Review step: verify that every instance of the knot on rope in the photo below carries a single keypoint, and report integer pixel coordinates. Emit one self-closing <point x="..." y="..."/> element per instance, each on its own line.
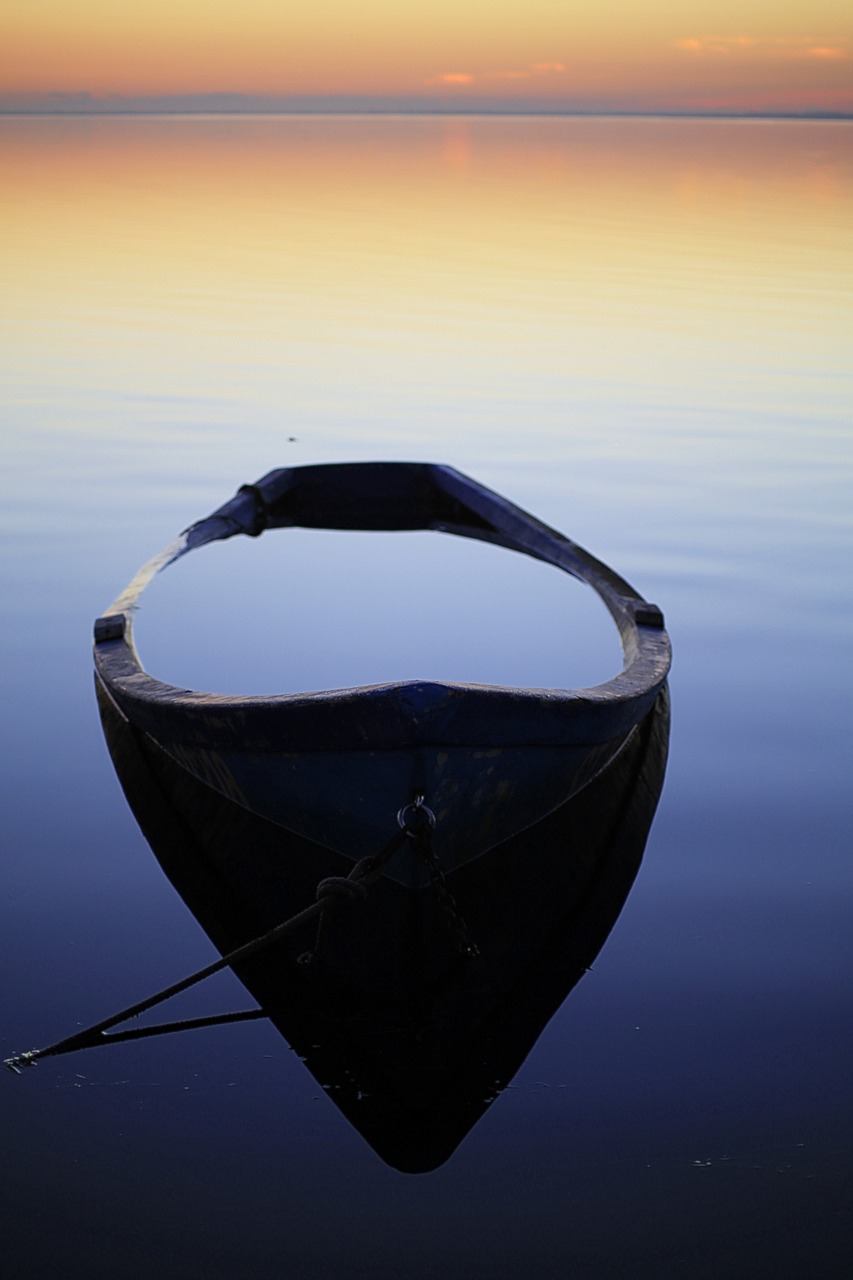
<point x="341" y="888"/>
<point x="22" y="1060"/>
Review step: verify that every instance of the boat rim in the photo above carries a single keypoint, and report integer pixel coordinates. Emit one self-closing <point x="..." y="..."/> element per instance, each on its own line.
<point x="392" y="496"/>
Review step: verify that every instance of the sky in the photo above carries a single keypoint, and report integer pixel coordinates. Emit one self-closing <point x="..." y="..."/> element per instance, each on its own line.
<point x="636" y="55"/>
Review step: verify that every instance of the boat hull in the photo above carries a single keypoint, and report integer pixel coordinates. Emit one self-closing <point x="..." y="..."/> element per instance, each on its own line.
<point x="410" y="1039"/>
<point x="349" y="802"/>
<point x="336" y="767"/>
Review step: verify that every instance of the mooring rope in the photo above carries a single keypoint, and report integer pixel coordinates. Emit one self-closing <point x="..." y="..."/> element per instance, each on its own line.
<point x="332" y="890"/>
<point x="416" y="823"/>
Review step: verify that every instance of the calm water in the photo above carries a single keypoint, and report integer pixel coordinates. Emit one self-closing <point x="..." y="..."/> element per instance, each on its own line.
<point x="640" y="331"/>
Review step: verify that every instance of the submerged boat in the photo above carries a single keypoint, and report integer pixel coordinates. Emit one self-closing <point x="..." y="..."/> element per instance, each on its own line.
<point x="412" y="1040"/>
<point x="337" y="767"/>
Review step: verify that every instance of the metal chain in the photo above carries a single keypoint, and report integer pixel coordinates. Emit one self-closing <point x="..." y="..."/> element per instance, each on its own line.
<point x="418" y="822"/>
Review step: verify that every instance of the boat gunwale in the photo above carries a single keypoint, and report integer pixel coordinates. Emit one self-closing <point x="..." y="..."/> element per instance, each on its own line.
<point x="401" y="714"/>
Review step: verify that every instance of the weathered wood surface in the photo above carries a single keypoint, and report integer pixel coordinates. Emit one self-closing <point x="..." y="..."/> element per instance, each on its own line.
<point x="533" y="747"/>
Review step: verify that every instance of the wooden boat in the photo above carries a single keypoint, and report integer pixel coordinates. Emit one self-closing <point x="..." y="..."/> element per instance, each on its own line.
<point x="412" y="1041"/>
<point x="488" y="762"/>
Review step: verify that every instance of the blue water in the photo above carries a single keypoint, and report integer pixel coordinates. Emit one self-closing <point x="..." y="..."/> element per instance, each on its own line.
<point x="638" y="330"/>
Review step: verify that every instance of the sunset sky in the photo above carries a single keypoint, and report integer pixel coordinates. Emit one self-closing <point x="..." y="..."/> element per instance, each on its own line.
<point x="671" y="55"/>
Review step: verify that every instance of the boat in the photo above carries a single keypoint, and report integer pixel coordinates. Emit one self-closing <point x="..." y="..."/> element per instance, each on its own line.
<point x="412" y="1040"/>
<point x="338" y="767"/>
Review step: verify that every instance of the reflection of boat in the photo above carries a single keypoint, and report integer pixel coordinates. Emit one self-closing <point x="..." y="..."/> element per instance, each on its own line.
<point x="411" y="1039"/>
<point x="488" y="761"/>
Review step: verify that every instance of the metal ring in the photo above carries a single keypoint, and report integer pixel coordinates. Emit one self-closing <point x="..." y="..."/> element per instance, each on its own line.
<point x="416" y="817"/>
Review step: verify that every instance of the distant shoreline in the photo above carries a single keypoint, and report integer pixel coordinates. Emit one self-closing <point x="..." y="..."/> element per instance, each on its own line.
<point x="110" y="110"/>
<point x="241" y="104"/>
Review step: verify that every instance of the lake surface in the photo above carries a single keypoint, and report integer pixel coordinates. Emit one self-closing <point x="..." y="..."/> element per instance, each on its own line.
<point x="638" y="330"/>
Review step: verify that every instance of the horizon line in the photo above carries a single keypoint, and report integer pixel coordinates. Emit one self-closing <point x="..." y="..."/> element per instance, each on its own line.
<point x="569" y="113"/>
<point x="83" y="103"/>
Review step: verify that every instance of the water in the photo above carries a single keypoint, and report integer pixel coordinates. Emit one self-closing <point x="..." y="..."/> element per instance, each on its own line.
<point x="638" y="330"/>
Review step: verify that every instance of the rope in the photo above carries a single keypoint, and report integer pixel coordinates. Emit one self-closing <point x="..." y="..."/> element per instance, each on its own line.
<point x="416" y="823"/>
<point x="329" y="894"/>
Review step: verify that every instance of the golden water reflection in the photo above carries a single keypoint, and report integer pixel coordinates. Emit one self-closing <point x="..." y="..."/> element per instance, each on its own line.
<point x="240" y="256"/>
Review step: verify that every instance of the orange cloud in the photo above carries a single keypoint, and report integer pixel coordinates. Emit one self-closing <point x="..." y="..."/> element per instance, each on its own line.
<point x="750" y="46"/>
<point x="535" y="70"/>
